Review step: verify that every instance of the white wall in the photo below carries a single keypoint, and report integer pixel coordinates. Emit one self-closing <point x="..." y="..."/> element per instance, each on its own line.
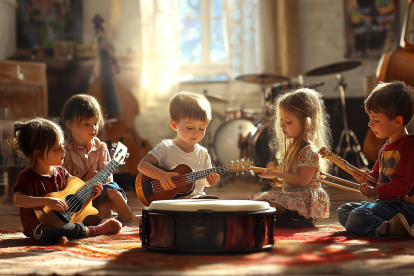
<point x="7" y="28"/>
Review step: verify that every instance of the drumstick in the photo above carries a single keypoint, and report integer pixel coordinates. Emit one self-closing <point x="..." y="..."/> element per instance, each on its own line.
<point x="339" y="186"/>
<point x="340" y="179"/>
<point x="346" y="166"/>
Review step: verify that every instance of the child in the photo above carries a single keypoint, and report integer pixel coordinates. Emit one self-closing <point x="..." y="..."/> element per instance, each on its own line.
<point x="86" y="155"/>
<point x="190" y="115"/>
<point x="41" y="141"/>
<point x="390" y="108"/>
<point x="301" y="129"/>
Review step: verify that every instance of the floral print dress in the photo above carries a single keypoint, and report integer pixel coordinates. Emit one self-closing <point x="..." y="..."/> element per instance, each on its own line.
<point x="309" y="201"/>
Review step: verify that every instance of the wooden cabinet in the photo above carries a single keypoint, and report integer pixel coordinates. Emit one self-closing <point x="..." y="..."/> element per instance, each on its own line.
<point x="23" y="89"/>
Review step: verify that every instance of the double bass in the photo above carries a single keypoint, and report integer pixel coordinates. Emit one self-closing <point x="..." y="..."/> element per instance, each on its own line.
<point x="117" y="102"/>
<point x="394" y="65"/>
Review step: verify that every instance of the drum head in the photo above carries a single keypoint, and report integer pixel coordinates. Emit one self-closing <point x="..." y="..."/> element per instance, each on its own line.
<point x="195" y="205"/>
<point x="259" y="149"/>
<point x="231" y="138"/>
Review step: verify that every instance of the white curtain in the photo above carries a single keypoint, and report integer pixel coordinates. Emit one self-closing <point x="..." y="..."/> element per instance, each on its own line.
<point x="160" y="33"/>
<point x="243" y="36"/>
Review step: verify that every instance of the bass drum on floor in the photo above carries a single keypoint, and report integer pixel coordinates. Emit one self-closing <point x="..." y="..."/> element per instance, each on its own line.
<point x="240" y="138"/>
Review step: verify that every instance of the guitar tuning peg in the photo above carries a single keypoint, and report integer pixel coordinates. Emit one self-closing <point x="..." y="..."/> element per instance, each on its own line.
<point x="114" y="145"/>
<point x="112" y="150"/>
<point x="232" y="161"/>
<point x="237" y="160"/>
<point x="127" y="155"/>
<point x="242" y="160"/>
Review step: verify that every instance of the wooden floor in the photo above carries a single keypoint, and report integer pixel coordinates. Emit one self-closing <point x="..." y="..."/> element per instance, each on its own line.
<point x="229" y="187"/>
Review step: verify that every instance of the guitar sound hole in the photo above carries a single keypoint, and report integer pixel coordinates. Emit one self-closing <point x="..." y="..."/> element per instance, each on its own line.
<point x="74" y="203"/>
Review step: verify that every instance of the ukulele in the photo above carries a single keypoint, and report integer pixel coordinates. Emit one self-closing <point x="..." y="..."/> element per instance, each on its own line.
<point x="343" y="164"/>
<point x="78" y="196"/>
<point x="149" y="189"/>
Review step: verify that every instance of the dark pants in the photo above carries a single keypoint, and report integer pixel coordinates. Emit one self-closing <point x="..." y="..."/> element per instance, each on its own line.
<point x="71" y="231"/>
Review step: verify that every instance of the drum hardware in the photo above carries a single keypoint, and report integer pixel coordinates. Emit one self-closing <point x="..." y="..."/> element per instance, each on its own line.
<point x="345" y="165"/>
<point x="262" y="79"/>
<point x="346" y="132"/>
<point x="214" y="99"/>
<point x="207" y="226"/>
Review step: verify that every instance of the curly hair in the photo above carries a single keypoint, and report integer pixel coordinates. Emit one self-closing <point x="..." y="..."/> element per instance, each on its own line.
<point x="307" y="105"/>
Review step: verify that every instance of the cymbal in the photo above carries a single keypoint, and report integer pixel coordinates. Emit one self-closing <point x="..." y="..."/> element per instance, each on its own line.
<point x="262" y="78"/>
<point x="215" y="99"/>
<point x="334" y="68"/>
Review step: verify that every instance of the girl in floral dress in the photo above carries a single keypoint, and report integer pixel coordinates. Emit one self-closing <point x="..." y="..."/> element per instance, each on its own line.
<point x="301" y="129"/>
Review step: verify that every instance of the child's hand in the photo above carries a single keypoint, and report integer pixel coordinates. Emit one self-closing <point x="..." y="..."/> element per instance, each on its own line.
<point x="368" y="190"/>
<point x="166" y="182"/>
<point x="212" y="179"/>
<point x="55" y="204"/>
<point x="97" y="190"/>
<point x="268" y="173"/>
<point x="360" y="177"/>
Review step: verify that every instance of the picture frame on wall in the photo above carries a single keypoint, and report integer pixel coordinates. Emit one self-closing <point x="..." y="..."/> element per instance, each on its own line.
<point x="371" y="27"/>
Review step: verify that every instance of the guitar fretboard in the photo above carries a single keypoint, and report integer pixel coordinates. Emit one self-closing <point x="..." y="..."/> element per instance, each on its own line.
<point x="86" y="191"/>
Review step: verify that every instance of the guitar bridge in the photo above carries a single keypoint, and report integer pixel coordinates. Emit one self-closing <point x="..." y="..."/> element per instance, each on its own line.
<point x="64" y="217"/>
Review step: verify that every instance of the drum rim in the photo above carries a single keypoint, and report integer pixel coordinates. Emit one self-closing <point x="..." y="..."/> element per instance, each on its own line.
<point x="269" y="210"/>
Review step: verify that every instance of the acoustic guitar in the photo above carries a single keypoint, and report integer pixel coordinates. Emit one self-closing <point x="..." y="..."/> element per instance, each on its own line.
<point x="394" y="65"/>
<point x="78" y="195"/>
<point x="149" y="189"/>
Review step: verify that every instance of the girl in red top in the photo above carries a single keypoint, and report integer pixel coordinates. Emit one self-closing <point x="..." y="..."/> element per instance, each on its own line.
<point x="41" y="142"/>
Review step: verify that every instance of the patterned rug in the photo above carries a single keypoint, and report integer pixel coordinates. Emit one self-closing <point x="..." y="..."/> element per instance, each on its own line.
<point x="326" y="250"/>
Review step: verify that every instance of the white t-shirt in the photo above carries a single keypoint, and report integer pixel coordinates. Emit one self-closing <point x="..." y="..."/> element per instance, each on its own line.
<point x="169" y="156"/>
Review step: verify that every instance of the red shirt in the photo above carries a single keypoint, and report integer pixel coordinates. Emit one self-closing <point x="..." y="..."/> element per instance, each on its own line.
<point x="394" y="169"/>
<point x="32" y="184"/>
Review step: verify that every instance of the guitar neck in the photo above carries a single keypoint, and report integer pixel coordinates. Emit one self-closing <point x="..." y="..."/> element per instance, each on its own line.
<point x="100" y="177"/>
<point x="194" y="176"/>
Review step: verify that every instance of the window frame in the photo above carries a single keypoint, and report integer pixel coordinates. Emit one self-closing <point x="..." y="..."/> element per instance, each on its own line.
<point x="206" y="67"/>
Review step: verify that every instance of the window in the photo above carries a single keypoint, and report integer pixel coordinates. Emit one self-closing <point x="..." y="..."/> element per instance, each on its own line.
<point x="204" y="55"/>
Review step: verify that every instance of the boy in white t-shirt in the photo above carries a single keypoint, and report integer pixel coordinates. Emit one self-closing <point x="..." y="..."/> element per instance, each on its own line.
<point x="190" y="114"/>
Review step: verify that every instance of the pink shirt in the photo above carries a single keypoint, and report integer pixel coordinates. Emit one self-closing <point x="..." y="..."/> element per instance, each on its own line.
<point x="78" y="161"/>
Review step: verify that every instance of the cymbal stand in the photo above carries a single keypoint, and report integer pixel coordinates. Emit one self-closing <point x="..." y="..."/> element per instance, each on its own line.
<point x="346" y="132"/>
<point x="263" y="103"/>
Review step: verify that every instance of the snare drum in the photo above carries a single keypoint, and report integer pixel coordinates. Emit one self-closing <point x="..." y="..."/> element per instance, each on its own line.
<point x="208" y="225"/>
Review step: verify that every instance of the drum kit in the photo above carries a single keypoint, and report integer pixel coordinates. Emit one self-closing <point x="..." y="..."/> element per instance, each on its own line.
<point x="246" y="134"/>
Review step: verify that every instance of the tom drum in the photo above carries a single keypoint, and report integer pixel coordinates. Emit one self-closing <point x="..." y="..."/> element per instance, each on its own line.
<point x="208" y="225"/>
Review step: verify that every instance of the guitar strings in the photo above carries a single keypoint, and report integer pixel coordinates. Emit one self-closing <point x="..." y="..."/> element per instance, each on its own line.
<point x="87" y="191"/>
<point x="184" y="179"/>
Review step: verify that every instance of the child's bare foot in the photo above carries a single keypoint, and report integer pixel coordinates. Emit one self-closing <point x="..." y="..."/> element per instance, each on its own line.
<point x="63" y="240"/>
<point x="110" y="226"/>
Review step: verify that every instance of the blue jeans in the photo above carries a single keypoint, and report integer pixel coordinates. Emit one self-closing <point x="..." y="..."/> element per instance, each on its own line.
<point x="364" y="219"/>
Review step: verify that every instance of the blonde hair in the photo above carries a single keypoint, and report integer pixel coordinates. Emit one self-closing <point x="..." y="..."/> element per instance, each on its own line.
<point x="35" y="137"/>
<point x="80" y="107"/>
<point x="307" y="105"/>
<point x="190" y="105"/>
